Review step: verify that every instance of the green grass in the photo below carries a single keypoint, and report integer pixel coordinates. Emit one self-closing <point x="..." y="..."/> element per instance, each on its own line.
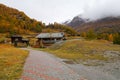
<point x="11" y="62"/>
<point x="83" y="50"/>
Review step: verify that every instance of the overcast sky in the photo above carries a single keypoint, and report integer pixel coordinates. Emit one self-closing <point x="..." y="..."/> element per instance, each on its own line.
<point x="61" y="10"/>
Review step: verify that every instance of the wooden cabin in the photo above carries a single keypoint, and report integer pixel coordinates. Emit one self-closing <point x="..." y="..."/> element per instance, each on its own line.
<point x="46" y="39"/>
<point x="15" y="39"/>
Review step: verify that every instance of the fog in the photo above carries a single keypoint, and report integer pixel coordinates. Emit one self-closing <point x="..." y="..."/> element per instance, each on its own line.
<point x="97" y="9"/>
<point x="61" y="10"/>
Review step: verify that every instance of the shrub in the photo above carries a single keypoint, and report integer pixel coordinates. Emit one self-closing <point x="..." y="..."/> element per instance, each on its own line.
<point x="91" y="35"/>
<point x="2" y="40"/>
<point x="116" y="39"/>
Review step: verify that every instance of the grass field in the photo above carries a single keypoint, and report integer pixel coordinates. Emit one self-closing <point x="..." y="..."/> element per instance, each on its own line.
<point x="83" y="49"/>
<point x="11" y="62"/>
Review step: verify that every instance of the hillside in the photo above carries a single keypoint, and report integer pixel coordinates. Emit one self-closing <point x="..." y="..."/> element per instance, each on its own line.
<point x="16" y="22"/>
<point x="57" y="27"/>
<point x="104" y="25"/>
<point x="13" y="21"/>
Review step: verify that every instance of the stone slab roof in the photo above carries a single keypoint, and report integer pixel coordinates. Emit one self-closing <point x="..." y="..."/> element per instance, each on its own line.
<point x="50" y="35"/>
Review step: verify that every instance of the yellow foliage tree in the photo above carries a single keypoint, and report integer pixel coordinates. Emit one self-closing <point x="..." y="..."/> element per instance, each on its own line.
<point x="84" y="34"/>
<point x="110" y="37"/>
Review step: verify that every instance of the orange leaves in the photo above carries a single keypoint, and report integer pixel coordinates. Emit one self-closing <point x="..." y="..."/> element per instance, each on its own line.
<point x="110" y="37"/>
<point x="14" y="21"/>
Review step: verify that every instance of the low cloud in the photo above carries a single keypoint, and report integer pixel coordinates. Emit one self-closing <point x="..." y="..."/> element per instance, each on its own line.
<point x="96" y="9"/>
<point x="60" y="10"/>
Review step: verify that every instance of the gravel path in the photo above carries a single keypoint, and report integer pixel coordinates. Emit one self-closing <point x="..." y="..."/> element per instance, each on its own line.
<point x="93" y="73"/>
<point x="43" y="66"/>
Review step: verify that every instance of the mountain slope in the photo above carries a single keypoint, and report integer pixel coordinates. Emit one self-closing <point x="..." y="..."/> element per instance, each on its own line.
<point x="104" y="25"/>
<point x="16" y="22"/>
<point x="76" y="21"/>
<point x="56" y="27"/>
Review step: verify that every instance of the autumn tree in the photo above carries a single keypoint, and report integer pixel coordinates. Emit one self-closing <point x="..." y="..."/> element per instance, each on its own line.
<point x="91" y="34"/>
<point x="110" y="37"/>
<point x="16" y="22"/>
<point x="103" y="36"/>
<point x="83" y="34"/>
<point x="63" y="28"/>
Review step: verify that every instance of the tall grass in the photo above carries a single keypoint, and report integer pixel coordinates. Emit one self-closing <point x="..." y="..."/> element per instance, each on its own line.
<point x="11" y="62"/>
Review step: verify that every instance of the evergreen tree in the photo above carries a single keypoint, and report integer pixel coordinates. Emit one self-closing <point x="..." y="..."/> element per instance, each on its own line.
<point x="116" y="38"/>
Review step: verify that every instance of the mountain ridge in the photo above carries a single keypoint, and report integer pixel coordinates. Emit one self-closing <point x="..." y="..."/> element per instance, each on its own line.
<point x="104" y="25"/>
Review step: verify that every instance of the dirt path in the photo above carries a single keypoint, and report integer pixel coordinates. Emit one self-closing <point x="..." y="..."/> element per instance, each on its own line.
<point x="43" y="66"/>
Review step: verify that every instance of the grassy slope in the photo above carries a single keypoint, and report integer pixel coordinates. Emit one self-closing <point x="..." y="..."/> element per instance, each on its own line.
<point x="11" y="62"/>
<point x="83" y="50"/>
